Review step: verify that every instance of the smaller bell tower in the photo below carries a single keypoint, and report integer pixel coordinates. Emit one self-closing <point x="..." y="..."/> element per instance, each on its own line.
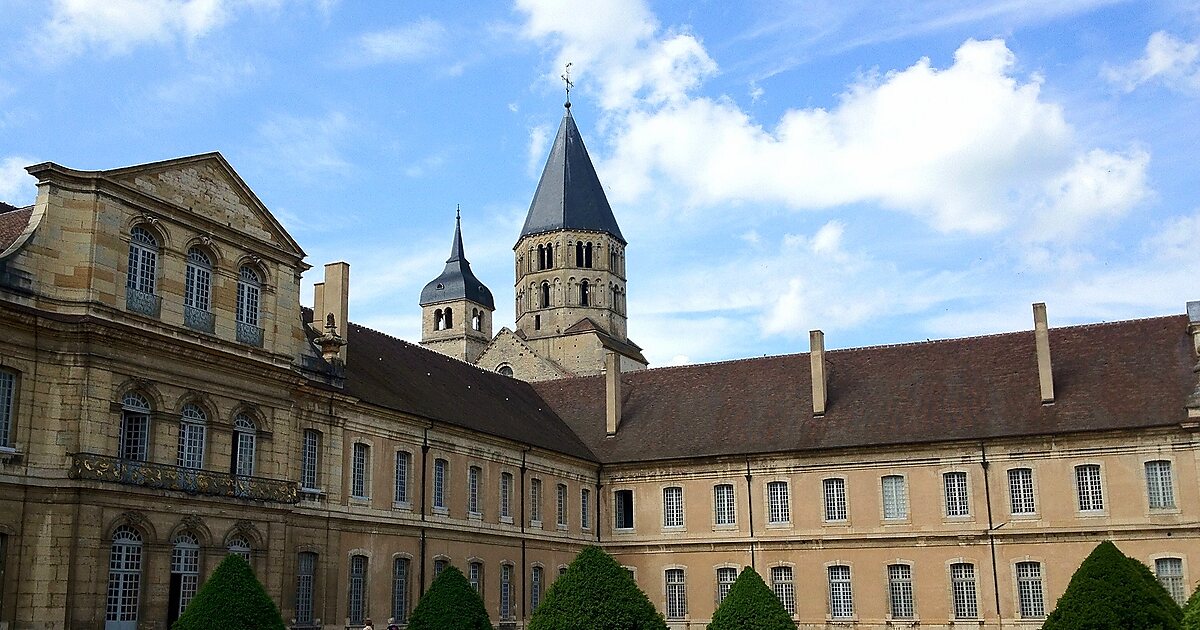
<point x="456" y="308"/>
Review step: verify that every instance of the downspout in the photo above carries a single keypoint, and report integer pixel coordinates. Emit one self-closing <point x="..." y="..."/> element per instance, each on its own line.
<point x="987" y="493"/>
<point x="750" y="509"/>
<point x="599" y="488"/>
<point x="424" y="494"/>
<point x="523" y="559"/>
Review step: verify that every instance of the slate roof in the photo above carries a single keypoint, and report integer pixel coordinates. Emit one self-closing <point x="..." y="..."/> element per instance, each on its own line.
<point x="457" y="281"/>
<point x="569" y="195"/>
<point x="13" y="222"/>
<point x="1131" y="374"/>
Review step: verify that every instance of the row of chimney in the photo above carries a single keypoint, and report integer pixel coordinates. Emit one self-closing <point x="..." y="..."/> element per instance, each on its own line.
<point x="332" y="317"/>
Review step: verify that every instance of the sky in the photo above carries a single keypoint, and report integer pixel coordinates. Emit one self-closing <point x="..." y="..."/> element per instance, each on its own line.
<point x="921" y="171"/>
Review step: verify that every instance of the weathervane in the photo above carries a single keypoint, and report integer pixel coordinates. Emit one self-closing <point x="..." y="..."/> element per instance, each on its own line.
<point x="566" y="77"/>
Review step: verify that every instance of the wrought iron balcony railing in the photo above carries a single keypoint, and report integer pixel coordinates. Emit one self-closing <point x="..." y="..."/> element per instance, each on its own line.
<point x="141" y="302"/>
<point x="249" y="334"/>
<point x="95" y="467"/>
<point x="197" y="319"/>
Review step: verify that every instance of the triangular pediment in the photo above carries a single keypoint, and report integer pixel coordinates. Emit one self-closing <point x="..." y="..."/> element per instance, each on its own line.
<point x="207" y="186"/>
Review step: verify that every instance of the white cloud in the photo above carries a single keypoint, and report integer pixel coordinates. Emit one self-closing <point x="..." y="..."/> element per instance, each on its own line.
<point x="402" y="44"/>
<point x="16" y="186"/>
<point x="307" y="148"/>
<point x="1167" y="60"/>
<point x="426" y="165"/>
<point x="539" y="139"/>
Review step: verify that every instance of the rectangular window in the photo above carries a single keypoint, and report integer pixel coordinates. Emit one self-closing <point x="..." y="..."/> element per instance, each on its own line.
<point x="400" y="590"/>
<point x="473" y="475"/>
<point x="778" y="508"/>
<point x="784" y="587"/>
<point x="506" y="484"/>
<point x="957" y="500"/>
<point x="962" y="582"/>
<point x="835" y="499"/>
<point x="475" y="576"/>
<point x="1088" y="487"/>
<point x="900" y="591"/>
<point x="673" y="507"/>
<point x="1159" y="487"/>
<point x="535" y="588"/>
<point x="560" y="504"/>
<point x="191" y="444"/>
<point x="308" y="459"/>
<point x="535" y="501"/>
<point x="306" y="571"/>
<point x="439" y="483"/>
<point x="358" y="590"/>
<point x="841" y="596"/>
<point x="623" y="509"/>
<point x="723" y="504"/>
<point x="403" y="466"/>
<point x="1020" y="491"/>
<point x="358" y="471"/>
<point x="506" y="592"/>
<point x="726" y="576"/>
<point x="8" y="398"/>
<point x="895" y="498"/>
<point x="585" y="508"/>
<point x="676" y="594"/>
<point x="1029" y="590"/>
<point x="439" y="565"/>
<point x="1170" y="573"/>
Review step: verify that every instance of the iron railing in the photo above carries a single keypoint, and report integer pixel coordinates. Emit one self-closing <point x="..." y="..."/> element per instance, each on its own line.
<point x="249" y="334"/>
<point x="197" y="319"/>
<point x="141" y="302"/>
<point x="94" y="467"/>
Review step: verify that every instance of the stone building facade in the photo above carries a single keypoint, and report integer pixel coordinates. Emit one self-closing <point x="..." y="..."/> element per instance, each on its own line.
<point x="165" y="400"/>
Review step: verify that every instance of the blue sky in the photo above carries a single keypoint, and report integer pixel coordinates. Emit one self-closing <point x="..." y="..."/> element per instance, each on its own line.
<point x="922" y="172"/>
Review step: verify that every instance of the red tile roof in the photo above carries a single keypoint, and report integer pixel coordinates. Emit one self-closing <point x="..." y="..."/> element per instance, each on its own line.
<point x="13" y="222"/>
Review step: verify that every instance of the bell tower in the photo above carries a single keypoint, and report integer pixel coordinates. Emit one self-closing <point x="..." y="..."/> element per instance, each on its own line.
<point x="456" y="308"/>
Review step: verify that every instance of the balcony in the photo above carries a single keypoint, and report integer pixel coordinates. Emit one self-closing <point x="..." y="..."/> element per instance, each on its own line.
<point x="249" y="334"/>
<point x="93" y="467"/>
<point x="147" y="304"/>
<point x="197" y="319"/>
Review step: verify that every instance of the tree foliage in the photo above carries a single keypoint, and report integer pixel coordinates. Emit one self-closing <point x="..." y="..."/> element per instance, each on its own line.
<point x="450" y="604"/>
<point x="1111" y="591"/>
<point x="750" y="605"/>
<point x="596" y="594"/>
<point x="231" y="599"/>
<point x="1191" y="611"/>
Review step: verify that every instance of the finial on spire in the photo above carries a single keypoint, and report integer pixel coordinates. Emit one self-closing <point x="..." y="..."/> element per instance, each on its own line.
<point x="566" y="77"/>
<point x="457" y="212"/>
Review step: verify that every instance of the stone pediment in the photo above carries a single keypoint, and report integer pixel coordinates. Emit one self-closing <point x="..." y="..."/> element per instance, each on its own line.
<point x="207" y="186"/>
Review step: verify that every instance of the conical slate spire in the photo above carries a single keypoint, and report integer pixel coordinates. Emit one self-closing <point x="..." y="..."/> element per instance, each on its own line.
<point x="569" y="195"/>
<point x="457" y="282"/>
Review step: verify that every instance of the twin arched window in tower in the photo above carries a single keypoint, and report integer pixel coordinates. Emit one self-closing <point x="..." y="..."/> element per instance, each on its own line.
<point x="583" y="255"/>
<point x="545" y="256"/>
<point x="443" y="319"/>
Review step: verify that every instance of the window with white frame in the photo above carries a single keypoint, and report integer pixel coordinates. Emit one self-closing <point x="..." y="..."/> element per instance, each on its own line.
<point x="900" y="591"/>
<point x="185" y="572"/>
<point x="962" y="587"/>
<point x="1088" y="487"/>
<point x="895" y="497"/>
<point x="360" y="456"/>
<point x="197" y="284"/>
<point x="506" y="485"/>
<point x="439" y="483"/>
<point x="1030" y="598"/>
<point x="403" y="470"/>
<point x="400" y="590"/>
<point x="245" y="437"/>
<point x="841" y="594"/>
<point x="143" y="261"/>
<point x="357" y="601"/>
<point x="957" y="499"/>
<point x="249" y="297"/>
<point x="535" y="500"/>
<point x="585" y="508"/>
<point x="1020" y="491"/>
<point x="474" y="473"/>
<point x="8" y="404"/>
<point x="673" y="506"/>
<point x="306" y="572"/>
<point x="784" y="587"/>
<point x="124" y="578"/>
<point x="623" y="509"/>
<point x="239" y="546"/>
<point x="535" y="588"/>
<point x="439" y="565"/>
<point x="135" y="427"/>
<point x="192" y="423"/>
<point x="778" y="508"/>
<point x="1169" y="572"/>
<point x="724" y="508"/>
<point x="310" y="459"/>
<point x="475" y="576"/>
<point x="1159" y="488"/>
<point x="726" y="576"/>
<point x="676" y="594"/>
<point x="835" y="498"/>
<point x="560" y="505"/>
<point x="506" y="592"/>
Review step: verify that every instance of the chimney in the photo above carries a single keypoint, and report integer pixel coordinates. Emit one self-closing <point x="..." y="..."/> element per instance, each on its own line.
<point x="1193" y="313"/>
<point x="816" y="356"/>
<point x="319" y="306"/>
<point x="335" y="296"/>
<point x="1041" y="336"/>
<point x="612" y="391"/>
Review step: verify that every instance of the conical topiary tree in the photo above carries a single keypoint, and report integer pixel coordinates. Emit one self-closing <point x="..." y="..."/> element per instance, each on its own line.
<point x="596" y="594"/>
<point x="1191" y="612"/>
<point x="450" y="604"/>
<point x="750" y="605"/>
<point x="231" y="599"/>
<point x="1110" y="591"/>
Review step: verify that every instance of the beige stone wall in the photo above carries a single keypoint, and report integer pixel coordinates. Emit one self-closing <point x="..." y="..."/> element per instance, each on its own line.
<point x="460" y="341"/>
<point x="565" y="278"/>
<point x="527" y="365"/>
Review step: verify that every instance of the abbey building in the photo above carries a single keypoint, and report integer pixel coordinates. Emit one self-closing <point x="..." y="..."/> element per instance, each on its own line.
<point x="166" y="400"/>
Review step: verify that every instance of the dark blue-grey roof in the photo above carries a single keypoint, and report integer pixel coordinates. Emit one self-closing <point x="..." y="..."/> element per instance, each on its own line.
<point x="569" y="195"/>
<point x="457" y="282"/>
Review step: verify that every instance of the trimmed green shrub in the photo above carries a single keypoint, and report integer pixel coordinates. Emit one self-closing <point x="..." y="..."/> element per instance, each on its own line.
<point x="596" y="594"/>
<point x="450" y="604"/>
<point x="1111" y="591"/>
<point x="1191" y="611"/>
<point x="231" y="599"/>
<point x="750" y="605"/>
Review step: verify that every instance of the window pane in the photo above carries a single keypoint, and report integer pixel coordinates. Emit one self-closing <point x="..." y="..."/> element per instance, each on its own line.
<point x="561" y="505"/>
<point x="777" y="497"/>
<point x="624" y="509"/>
<point x="1170" y="574"/>
<point x="473" y="475"/>
<point x="439" y="483"/>
<point x="895" y="498"/>
<point x="841" y="597"/>
<point x="506" y="481"/>
<point x="403" y="465"/>
<point x="673" y="507"/>
<point x="1029" y="589"/>
<point x="1159" y="487"/>
<point x="306" y="569"/>
<point x="835" y="499"/>
<point x="785" y="590"/>
<point x="676" y="594"/>
<point x="535" y="588"/>
<point x="400" y="590"/>
<point x="506" y="592"/>
<point x="1088" y="487"/>
<point x="358" y="590"/>
<point x="725" y="579"/>
<point x="956" y="493"/>
<point x="358" y="471"/>
<point x="8" y="395"/>
<point x="1020" y="491"/>
<point x="585" y="506"/>
<point x="723" y="504"/>
<point x="900" y="590"/>
<point x="535" y="500"/>
<point x="962" y="579"/>
<point x="308" y="459"/>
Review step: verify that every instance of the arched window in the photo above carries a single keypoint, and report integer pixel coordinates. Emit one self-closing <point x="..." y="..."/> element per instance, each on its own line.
<point x="505" y="370"/>
<point x="306" y="573"/>
<point x="124" y="579"/>
<point x="545" y="295"/>
<point x="240" y="546"/>
<point x="439" y="483"/>
<point x="191" y="437"/>
<point x="506" y="592"/>
<point x="449" y="321"/>
<point x="135" y="427"/>
<point x="8" y="398"/>
<point x="549" y="256"/>
<point x="438" y="321"/>
<point x="357" y="604"/>
<point x="249" y="299"/>
<point x="676" y="594"/>
<point x="541" y="257"/>
<point x="612" y="260"/>
<point x="587" y="255"/>
<point x="245" y="435"/>
<point x="476" y="320"/>
<point x="185" y="573"/>
<point x="143" y="261"/>
<point x="400" y="590"/>
<point x="584" y="293"/>
<point x="197" y="293"/>
<point x="578" y="253"/>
